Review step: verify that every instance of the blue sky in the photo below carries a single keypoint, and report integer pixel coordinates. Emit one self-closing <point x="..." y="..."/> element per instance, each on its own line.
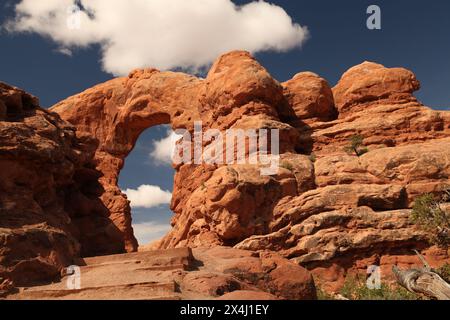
<point x="414" y="35"/>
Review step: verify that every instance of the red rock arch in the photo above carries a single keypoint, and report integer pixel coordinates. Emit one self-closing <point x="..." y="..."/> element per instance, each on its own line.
<point x="238" y="92"/>
<point x="236" y="206"/>
<point x="116" y="113"/>
<point x="321" y="210"/>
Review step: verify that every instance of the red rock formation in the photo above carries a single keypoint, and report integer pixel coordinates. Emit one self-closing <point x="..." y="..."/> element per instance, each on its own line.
<point x="203" y="273"/>
<point x="313" y="212"/>
<point x="370" y="82"/>
<point x="116" y="112"/>
<point x="310" y="97"/>
<point x="232" y="269"/>
<point x="329" y="211"/>
<point x="247" y="295"/>
<point x="377" y="103"/>
<point x="49" y="206"/>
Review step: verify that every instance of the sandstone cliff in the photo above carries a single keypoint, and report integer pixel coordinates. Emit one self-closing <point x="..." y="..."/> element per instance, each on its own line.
<point x="327" y="210"/>
<point x="49" y="206"/>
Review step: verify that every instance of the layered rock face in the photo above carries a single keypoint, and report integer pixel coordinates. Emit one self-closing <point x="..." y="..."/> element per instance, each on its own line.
<point x="181" y="273"/>
<point x="49" y="206"/>
<point x="357" y="212"/>
<point x="329" y="211"/>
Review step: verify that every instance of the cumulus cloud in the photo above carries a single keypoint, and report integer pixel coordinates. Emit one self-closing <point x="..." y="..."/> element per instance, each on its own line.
<point x="165" y="34"/>
<point x="148" y="196"/>
<point x="164" y="149"/>
<point x="146" y="232"/>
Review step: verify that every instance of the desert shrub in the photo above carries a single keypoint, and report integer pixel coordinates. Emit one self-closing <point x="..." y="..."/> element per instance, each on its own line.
<point x="356" y="145"/>
<point x="428" y="214"/>
<point x="444" y="272"/>
<point x="438" y="117"/>
<point x="312" y="157"/>
<point x="287" y="166"/>
<point x="323" y="295"/>
<point x="356" y="289"/>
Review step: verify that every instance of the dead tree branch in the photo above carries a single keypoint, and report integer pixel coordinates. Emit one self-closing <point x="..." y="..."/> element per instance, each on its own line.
<point x="423" y="281"/>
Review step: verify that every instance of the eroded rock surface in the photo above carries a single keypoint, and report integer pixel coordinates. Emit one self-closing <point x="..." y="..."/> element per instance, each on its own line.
<point x="311" y="97"/>
<point x="323" y="205"/>
<point x="49" y="206"/>
<point x="203" y="273"/>
<point x="327" y="210"/>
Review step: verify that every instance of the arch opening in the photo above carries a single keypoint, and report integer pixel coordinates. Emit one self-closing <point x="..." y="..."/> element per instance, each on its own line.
<point x="147" y="180"/>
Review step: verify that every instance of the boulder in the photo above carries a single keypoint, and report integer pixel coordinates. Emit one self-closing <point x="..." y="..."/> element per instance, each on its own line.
<point x="310" y="96"/>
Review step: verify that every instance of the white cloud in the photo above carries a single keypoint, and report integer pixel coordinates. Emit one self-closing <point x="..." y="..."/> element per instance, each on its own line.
<point x="148" y="196"/>
<point x="164" y="149"/>
<point x="164" y="34"/>
<point x="146" y="232"/>
<point x="65" y="51"/>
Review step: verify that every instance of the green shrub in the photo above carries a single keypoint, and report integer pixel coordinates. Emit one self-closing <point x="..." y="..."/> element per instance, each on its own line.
<point x="312" y="157"/>
<point x="356" y="289"/>
<point x="444" y="272"/>
<point x="356" y="145"/>
<point x="323" y="295"/>
<point x="427" y="214"/>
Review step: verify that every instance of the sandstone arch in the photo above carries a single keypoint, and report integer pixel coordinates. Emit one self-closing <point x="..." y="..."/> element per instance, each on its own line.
<point x="236" y="90"/>
<point x="116" y="113"/>
<point x="321" y="210"/>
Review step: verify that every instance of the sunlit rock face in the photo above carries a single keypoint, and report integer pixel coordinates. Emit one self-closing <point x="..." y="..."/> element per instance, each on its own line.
<point x="325" y="209"/>
<point x="50" y="210"/>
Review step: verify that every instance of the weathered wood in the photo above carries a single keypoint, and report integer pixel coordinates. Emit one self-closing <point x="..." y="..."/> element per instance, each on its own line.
<point x="423" y="281"/>
<point x="425" y="263"/>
